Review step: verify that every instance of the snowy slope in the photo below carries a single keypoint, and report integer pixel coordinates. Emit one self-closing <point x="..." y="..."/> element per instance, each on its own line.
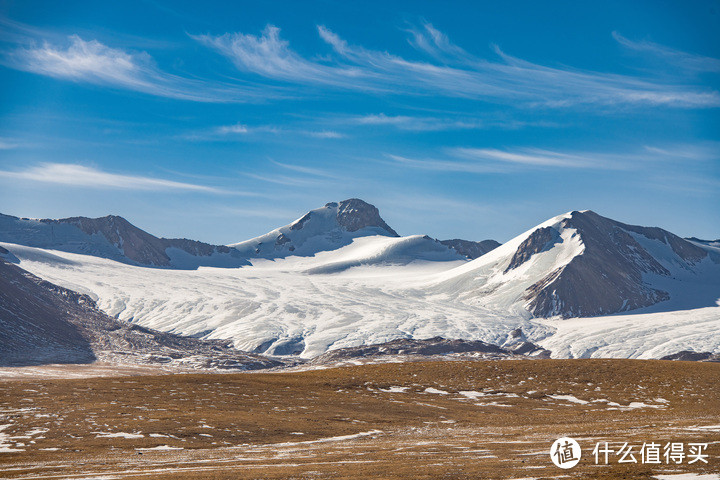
<point x="640" y="335"/>
<point x="275" y="305"/>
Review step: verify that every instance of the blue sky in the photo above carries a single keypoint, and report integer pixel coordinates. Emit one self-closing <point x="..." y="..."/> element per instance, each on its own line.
<point x="220" y="121"/>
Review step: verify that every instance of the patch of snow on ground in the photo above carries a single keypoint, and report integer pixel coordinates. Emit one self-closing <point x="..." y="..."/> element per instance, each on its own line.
<point x="5" y="446"/>
<point x="569" y="398"/>
<point x="394" y="389"/>
<point x="435" y="390"/>
<point x="710" y="428"/>
<point x="118" y="435"/>
<point x="340" y="438"/>
<point x="472" y="394"/>
<point x="160" y="447"/>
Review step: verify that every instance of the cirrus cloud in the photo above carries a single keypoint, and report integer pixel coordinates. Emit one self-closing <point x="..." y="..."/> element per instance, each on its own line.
<point x="90" y="61"/>
<point x="83" y="176"/>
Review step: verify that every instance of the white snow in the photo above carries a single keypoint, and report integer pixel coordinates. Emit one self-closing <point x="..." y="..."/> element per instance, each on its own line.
<point x="160" y="447"/>
<point x="339" y="438"/>
<point x="5" y="445"/>
<point x="649" y="335"/>
<point x="117" y="435"/>
<point x="472" y="394"/>
<point x="435" y="390"/>
<point x="569" y="398"/>
<point x="711" y="428"/>
<point x="277" y="304"/>
<point x="394" y="389"/>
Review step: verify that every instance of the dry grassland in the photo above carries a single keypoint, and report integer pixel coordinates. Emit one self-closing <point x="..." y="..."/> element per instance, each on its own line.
<point x="369" y="421"/>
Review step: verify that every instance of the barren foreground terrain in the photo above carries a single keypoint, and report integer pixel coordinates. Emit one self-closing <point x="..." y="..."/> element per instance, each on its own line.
<point x="453" y="419"/>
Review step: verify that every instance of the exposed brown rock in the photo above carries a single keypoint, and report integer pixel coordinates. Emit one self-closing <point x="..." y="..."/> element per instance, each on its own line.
<point x="607" y="277"/>
<point x="538" y="241"/>
<point x="138" y="245"/>
<point x="690" y="356"/>
<point x="354" y="214"/>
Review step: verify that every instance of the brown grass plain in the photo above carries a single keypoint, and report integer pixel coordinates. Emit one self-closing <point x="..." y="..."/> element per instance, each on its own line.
<point x="357" y="422"/>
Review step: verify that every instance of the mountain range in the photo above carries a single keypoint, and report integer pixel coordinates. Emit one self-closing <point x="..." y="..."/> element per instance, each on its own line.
<point x="341" y="277"/>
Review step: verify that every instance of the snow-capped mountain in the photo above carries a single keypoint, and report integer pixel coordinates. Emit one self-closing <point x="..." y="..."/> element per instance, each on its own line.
<point x="115" y="238"/>
<point x="354" y="229"/>
<point x="583" y="265"/>
<point x="327" y="228"/>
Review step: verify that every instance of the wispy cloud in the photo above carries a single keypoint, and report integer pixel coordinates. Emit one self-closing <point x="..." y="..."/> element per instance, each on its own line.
<point x="8" y="144"/>
<point x="452" y="72"/>
<point x="702" y="151"/>
<point x="688" y="62"/>
<point x="491" y="160"/>
<point x="243" y="131"/>
<point x="237" y="128"/>
<point x="447" y="165"/>
<point x="536" y="157"/>
<point x="448" y="71"/>
<point x="307" y="170"/>
<point x="435" y="43"/>
<point x="270" y="56"/>
<point x="286" y="180"/>
<point x="324" y="134"/>
<point x="83" y="176"/>
<point x="431" y="124"/>
<point x="89" y="61"/>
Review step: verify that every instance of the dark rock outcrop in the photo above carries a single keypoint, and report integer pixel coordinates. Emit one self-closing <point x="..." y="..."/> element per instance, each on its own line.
<point x="428" y="347"/>
<point x="540" y="240"/>
<point x="354" y="214"/>
<point x="470" y="249"/>
<point x="690" y="356"/>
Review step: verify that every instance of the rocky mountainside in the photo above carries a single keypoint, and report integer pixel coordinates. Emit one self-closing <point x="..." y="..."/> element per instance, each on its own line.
<point x="42" y="323"/>
<point x="115" y="238"/>
<point x="582" y="264"/>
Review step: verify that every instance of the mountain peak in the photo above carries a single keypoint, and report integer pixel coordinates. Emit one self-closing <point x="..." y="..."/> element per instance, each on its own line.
<point x="354" y="214"/>
<point x="326" y="228"/>
<point x="612" y="271"/>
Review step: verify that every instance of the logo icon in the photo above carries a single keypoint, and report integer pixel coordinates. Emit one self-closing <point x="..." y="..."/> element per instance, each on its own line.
<point x="565" y="452"/>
